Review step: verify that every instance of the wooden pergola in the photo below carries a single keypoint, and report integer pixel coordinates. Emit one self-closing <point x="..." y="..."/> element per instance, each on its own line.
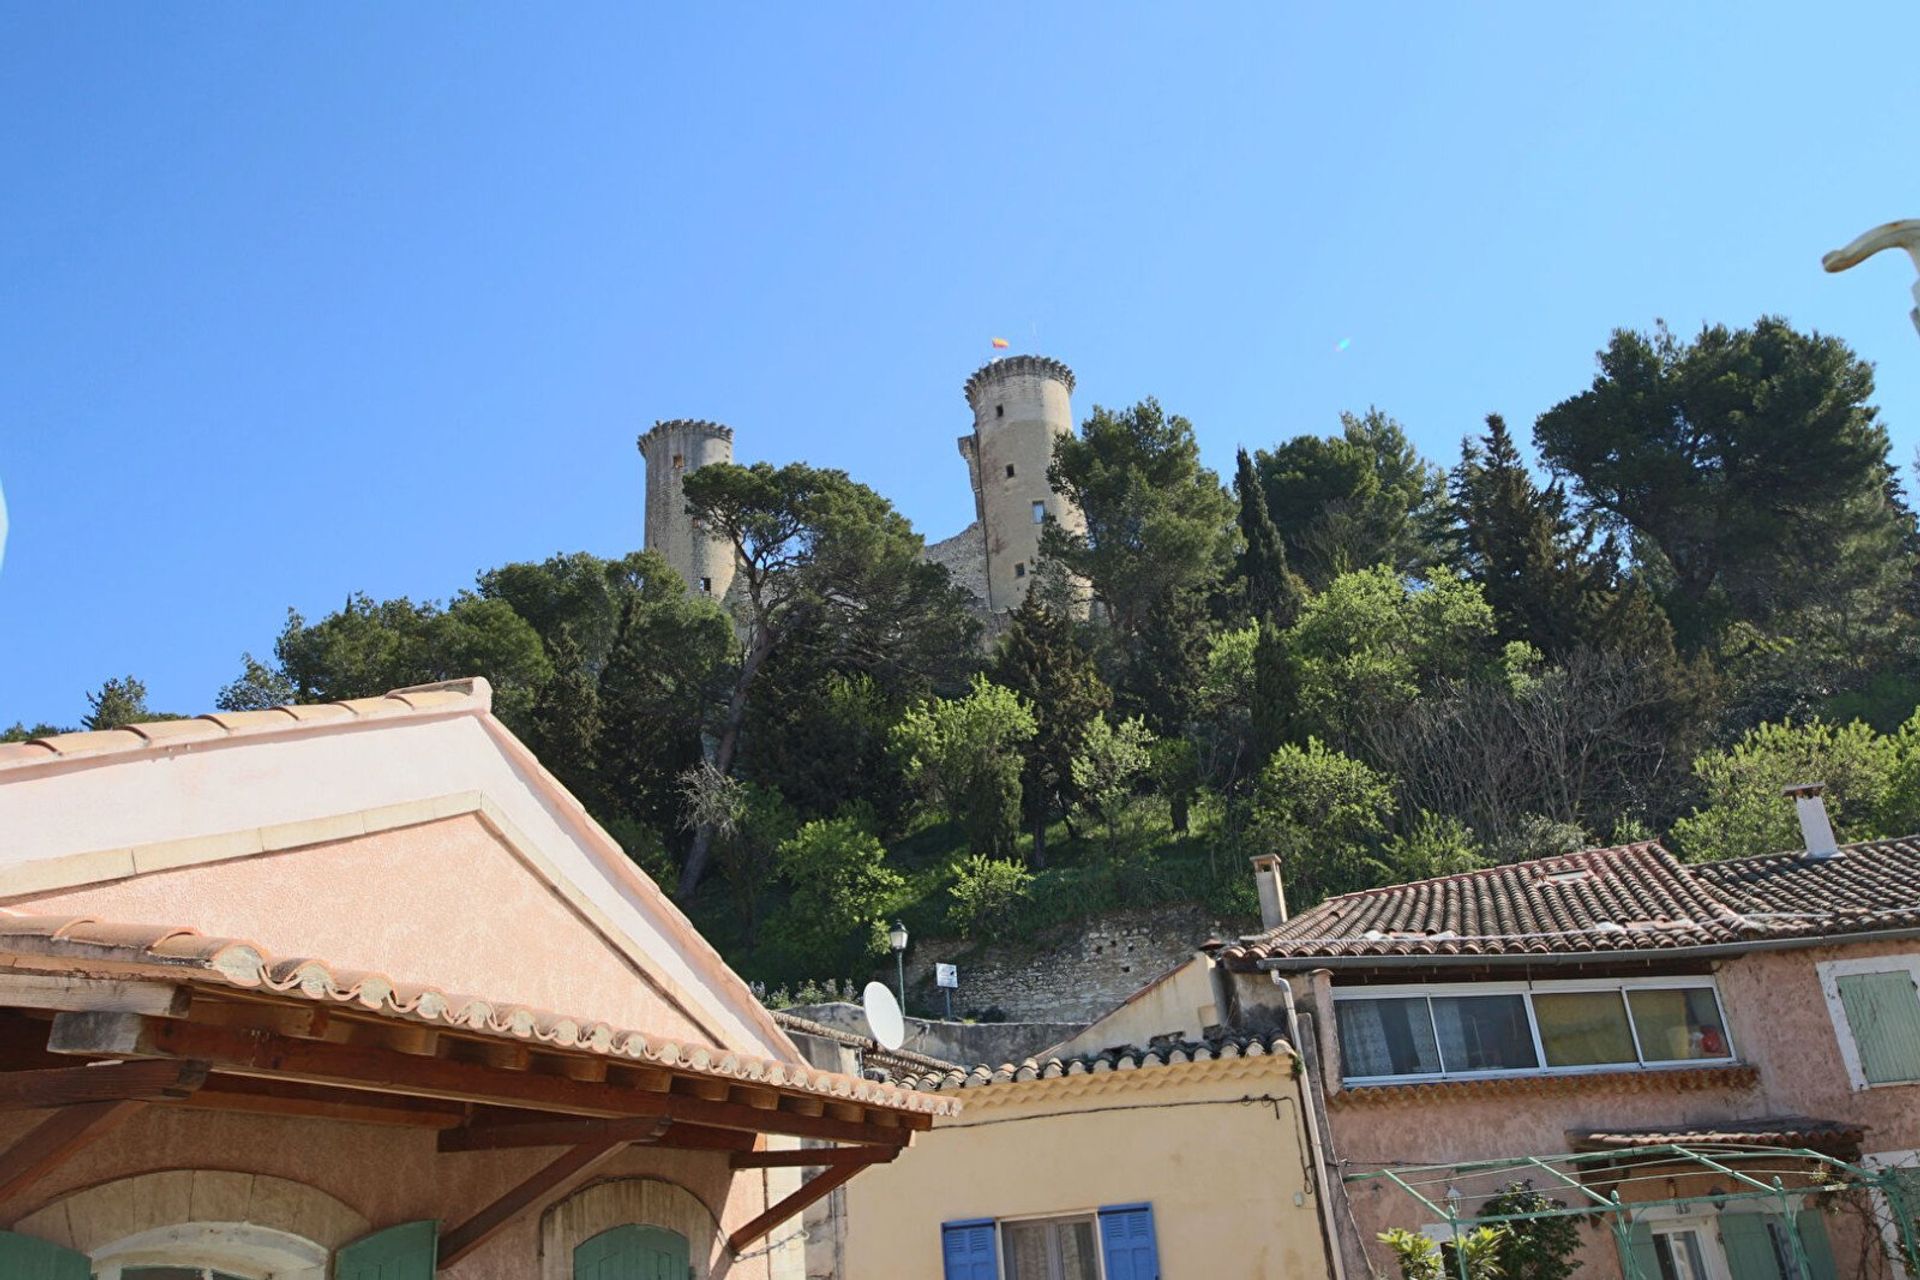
<point x="95" y="1048"/>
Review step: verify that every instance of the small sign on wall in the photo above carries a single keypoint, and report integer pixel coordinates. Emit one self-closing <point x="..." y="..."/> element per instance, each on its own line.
<point x="946" y="975"/>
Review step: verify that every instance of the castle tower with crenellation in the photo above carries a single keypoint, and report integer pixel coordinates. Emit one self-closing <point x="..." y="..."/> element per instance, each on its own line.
<point x="1021" y="406"/>
<point x="672" y="449"/>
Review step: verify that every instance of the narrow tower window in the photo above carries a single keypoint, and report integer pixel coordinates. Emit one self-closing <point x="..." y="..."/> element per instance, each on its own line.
<point x="1039" y="513"/>
<point x="1020" y="571"/>
<point x="706" y="585"/>
<point x="999" y="411"/>
<point x="1009" y="471"/>
<point x="679" y="461"/>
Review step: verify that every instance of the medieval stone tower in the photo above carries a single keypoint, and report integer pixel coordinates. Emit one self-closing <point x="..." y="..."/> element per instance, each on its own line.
<point x="1021" y="405"/>
<point x="672" y="449"/>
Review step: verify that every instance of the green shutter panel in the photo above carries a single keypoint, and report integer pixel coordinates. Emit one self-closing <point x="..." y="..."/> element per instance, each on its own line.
<point x="28" y="1258"/>
<point x="632" y="1253"/>
<point x="1638" y="1261"/>
<point x="1883" y="1015"/>
<point x="409" y="1251"/>
<point x="1749" y="1246"/>
<point x="1814" y="1242"/>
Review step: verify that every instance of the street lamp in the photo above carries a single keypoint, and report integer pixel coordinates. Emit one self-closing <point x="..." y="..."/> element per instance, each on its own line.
<point x="1893" y="235"/>
<point x="897" y="936"/>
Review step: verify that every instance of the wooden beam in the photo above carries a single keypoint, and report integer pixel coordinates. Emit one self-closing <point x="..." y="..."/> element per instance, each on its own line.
<point x="823" y="1185"/>
<point x="814" y="1157"/>
<point x="47" y="1145"/>
<point x="552" y="1133"/>
<point x="530" y="1194"/>
<point x="312" y="1102"/>
<point x="106" y="1082"/>
<point x="115" y="995"/>
<point x="263" y="1054"/>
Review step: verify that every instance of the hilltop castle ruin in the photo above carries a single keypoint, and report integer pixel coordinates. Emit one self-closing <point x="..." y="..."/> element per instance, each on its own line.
<point x="1020" y="404"/>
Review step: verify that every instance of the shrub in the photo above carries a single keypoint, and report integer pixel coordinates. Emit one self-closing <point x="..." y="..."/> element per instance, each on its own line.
<point x="986" y="892"/>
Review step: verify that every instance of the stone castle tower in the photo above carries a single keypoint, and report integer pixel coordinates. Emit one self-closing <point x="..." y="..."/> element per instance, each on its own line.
<point x="1021" y="405"/>
<point x="672" y="449"/>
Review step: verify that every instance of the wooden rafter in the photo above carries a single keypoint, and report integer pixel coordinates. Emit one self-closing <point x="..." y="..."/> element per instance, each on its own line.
<point x="48" y="1144"/>
<point x="530" y="1194"/>
<point x="814" y="1157"/>
<point x="509" y="1135"/>
<point x="107" y="1082"/>
<point x="270" y="1056"/>
<point x="315" y="1102"/>
<point x="823" y="1185"/>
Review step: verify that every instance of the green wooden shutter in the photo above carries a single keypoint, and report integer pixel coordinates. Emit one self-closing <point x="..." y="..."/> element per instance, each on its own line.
<point x="1638" y="1261"/>
<point x="29" y="1258"/>
<point x="1883" y="1015"/>
<point x="1818" y="1248"/>
<point x="409" y="1251"/>
<point x="632" y="1253"/>
<point x="1749" y="1246"/>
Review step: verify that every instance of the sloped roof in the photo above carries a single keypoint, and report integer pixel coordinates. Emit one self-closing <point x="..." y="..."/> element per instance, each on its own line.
<point x="1239" y="1046"/>
<point x="1634" y="897"/>
<point x="186" y="955"/>
<point x="1829" y="1136"/>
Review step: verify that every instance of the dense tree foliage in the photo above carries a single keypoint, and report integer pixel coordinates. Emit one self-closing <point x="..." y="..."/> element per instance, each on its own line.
<point x="1700" y="588"/>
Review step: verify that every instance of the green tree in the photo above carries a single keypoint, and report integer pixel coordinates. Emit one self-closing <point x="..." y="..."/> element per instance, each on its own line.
<point x="259" y="687"/>
<point x="1042" y="661"/>
<point x="1274" y="591"/>
<point x="842" y="892"/>
<point x="1113" y="761"/>
<point x="1476" y="1254"/>
<point x="1433" y="844"/>
<point x="1737" y="461"/>
<point x="21" y="731"/>
<point x="1349" y="502"/>
<point x="1366" y="647"/>
<point x="1325" y="815"/>
<point x="965" y="753"/>
<point x="985" y="893"/>
<point x="1534" y="1248"/>
<point x="1871" y="787"/>
<point x="812" y="548"/>
<point x="564" y="726"/>
<point x="120" y="702"/>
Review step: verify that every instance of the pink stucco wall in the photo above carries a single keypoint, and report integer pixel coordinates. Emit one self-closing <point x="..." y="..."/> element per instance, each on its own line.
<point x="389" y="1175"/>
<point x="1780" y="1024"/>
<point x="444" y="903"/>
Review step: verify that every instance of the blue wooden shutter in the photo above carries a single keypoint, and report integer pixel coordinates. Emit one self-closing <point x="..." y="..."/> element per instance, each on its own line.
<point x="1127" y="1242"/>
<point x="967" y="1249"/>
<point x="29" y="1258"/>
<point x="1883" y="1014"/>
<point x="409" y="1251"/>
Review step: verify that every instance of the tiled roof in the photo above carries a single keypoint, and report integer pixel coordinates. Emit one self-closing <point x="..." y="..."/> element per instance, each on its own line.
<point x="1634" y="897"/>
<point x="430" y="699"/>
<point x="895" y="1062"/>
<point x="1827" y="1136"/>
<point x="1240" y="1046"/>
<point x="1661" y="1080"/>
<point x="183" y="954"/>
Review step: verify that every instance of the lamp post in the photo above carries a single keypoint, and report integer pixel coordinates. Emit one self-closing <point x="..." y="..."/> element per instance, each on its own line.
<point x="1893" y="235"/>
<point x="897" y="935"/>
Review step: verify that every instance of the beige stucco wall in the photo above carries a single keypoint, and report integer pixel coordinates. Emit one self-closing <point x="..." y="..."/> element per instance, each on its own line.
<point x="1780" y="1025"/>
<point x="1215" y="1147"/>
<point x="382" y="1174"/>
<point x="1180" y="1002"/>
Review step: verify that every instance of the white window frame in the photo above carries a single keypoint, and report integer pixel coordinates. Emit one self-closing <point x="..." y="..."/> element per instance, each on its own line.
<point x="1056" y="1215"/>
<point x="1831" y="971"/>
<point x="1883" y="1211"/>
<point x="237" y="1248"/>
<point x="1441" y="991"/>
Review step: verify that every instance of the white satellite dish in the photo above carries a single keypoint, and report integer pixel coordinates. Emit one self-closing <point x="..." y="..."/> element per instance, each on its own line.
<point x="883" y="1016"/>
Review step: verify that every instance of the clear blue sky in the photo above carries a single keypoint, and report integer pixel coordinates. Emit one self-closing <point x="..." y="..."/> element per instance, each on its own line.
<point x="301" y="299"/>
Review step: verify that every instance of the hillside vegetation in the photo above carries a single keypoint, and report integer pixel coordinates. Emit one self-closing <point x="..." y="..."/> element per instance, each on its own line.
<point x="1698" y="586"/>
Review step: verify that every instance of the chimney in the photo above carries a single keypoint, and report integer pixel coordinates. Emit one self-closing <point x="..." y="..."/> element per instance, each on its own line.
<point x="1815" y="830"/>
<point x="1273" y="890"/>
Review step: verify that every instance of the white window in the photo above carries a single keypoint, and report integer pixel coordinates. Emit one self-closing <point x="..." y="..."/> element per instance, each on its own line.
<point x="1039" y="513"/>
<point x="1875" y="1007"/>
<point x="1513" y="1028"/>
<point x="1051" y="1248"/>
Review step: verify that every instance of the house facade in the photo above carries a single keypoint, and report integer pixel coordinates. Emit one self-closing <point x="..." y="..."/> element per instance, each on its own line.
<point x="1637" y="1014"/>
<point x="358" y="991"/>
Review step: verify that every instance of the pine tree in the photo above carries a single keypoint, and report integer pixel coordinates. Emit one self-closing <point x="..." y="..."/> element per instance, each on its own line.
<point x="1274" y="591"/>
<point x="566" y="719"/>
<point x="1043" y="661"/>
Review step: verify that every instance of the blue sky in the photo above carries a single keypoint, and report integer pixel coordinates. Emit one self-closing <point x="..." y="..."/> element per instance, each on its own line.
<point x="298" y="300"/>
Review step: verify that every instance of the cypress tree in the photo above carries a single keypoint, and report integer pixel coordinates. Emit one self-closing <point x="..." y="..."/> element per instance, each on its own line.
<point x="1043" y="661"/>
<point x="1274" y="591"/>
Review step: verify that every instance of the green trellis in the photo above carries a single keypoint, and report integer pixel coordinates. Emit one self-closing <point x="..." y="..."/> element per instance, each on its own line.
<point x="1753" y="1173"/>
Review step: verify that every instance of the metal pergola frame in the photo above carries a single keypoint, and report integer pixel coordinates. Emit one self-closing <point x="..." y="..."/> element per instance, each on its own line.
<point x="1760" y="1172"/>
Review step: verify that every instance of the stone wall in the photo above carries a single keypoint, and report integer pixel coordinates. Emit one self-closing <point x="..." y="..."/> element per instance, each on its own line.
<point x="965" y="1043"/>
<point x="964" y="556"/>
<point x="1073" y="975"/>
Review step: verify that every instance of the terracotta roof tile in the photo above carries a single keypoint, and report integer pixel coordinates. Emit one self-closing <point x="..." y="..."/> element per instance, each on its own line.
<point x="184" y="954"/>
<point x="452" y="695"/>
<point x="1239" y="1046"/>
<point x="1829" y="1136"/>
<point x="1635" y="897"/>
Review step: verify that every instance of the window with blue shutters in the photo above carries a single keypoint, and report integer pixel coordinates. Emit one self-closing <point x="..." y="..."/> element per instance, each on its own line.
<point x="967" y="1249"/>
<point x="1127" y="1243"/>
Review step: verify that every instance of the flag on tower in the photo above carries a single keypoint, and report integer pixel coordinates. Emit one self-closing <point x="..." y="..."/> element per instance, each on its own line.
<point x="1000" y="344"/>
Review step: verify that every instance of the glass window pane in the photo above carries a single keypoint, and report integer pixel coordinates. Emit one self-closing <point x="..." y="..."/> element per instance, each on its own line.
<point x="1484" y="1033"/>
<point x="1583" y="1028"/>
<point x="1077" y="1250"/>
<point x="1025" y="1247"/>
<point x="1678" y="1025"/>
<point x="1390" y="1037"/>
